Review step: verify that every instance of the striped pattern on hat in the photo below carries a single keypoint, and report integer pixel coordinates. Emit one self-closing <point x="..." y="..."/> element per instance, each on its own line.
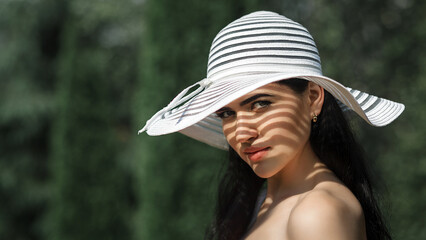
<point x="252" y="51"/>
<point x="262" y="42"/>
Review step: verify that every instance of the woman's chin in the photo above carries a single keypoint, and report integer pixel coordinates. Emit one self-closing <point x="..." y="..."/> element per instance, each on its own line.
<point x="262" y="172"/>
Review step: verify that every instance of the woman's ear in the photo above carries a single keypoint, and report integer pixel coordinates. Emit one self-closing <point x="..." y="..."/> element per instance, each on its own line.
<point x="316" y="98"/>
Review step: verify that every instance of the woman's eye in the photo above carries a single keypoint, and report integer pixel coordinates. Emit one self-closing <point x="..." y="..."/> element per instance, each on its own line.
<point x="224" y="114"/>
<point x="260" y="104"/>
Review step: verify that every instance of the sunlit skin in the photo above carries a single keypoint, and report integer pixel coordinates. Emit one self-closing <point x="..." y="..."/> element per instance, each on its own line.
<point x="269" y="128"/>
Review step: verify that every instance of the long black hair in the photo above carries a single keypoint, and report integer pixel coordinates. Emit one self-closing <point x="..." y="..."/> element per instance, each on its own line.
<point x="333" y="142"/>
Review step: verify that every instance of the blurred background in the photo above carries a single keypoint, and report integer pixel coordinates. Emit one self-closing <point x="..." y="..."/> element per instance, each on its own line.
<point x="79" y="78"/>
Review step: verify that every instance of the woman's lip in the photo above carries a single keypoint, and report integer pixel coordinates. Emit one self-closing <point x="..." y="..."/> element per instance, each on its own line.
<point x="256" y="155"/>
<point x="250" y="150"/>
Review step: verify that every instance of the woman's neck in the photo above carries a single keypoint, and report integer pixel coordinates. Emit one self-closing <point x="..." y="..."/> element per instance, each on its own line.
<point x="300" y="175"/>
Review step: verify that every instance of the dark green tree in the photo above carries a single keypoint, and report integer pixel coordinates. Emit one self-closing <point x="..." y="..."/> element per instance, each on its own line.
<point x="29" y="31"/>
<point x="91" y="182"/>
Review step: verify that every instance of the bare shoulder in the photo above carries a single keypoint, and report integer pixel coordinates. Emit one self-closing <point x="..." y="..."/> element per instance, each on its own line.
<point x="327" y="213"/>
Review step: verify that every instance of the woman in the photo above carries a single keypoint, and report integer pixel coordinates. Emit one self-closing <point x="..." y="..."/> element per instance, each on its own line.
<point x="266" y="98"/>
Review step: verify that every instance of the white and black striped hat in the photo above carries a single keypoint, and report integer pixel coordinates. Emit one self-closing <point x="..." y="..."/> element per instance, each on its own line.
<point x="252" y="51"/>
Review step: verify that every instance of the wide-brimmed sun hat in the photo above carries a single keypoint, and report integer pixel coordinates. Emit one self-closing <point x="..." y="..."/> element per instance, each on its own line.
<point x="250" y="52"/>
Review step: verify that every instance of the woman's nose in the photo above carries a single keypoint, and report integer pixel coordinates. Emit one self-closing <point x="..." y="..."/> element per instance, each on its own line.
<point x="245" y="130"/>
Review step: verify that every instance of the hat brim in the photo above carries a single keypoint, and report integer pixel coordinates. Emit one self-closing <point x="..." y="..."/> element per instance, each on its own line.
<point x="196" y="119"/>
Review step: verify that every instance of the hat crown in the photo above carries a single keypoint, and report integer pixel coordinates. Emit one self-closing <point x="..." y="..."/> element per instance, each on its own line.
<point x="262" y="42"/>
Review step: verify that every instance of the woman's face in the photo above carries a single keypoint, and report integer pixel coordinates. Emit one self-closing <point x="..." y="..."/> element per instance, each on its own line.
<point x="268" y="127"/>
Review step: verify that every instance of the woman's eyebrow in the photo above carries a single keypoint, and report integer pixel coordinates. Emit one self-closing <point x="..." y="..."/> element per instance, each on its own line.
<point x="224" y="109"/>
<point x="252" y="98"/>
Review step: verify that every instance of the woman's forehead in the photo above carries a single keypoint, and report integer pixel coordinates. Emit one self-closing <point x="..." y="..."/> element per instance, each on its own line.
<point x="271" y="89"/>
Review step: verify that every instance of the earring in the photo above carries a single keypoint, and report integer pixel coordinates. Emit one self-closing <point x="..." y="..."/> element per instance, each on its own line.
<point x="315" y="118"/>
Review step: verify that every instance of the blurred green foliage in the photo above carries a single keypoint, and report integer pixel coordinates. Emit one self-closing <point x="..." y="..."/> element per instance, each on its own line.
<point x="26" y="108"/>
<point x="91" y="191"/>
<point x="79" y="78"/>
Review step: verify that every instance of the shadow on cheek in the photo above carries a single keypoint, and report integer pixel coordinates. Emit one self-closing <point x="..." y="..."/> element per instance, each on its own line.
<point x="288" y="123"/>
